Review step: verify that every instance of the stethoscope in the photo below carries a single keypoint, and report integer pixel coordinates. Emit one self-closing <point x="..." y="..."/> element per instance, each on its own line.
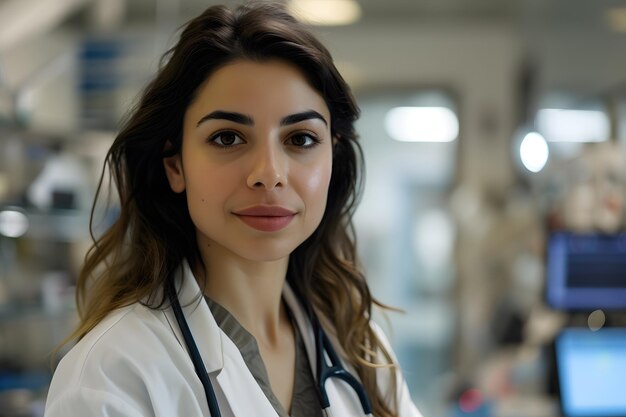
<point x="323" y="350"/>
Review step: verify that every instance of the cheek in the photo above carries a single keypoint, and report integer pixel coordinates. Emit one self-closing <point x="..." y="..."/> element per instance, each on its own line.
<point x="316" y="184"/>
<point x="208" y="186"/>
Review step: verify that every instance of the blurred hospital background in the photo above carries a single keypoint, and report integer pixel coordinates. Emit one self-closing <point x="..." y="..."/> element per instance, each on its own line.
<point x="494" y="134"/>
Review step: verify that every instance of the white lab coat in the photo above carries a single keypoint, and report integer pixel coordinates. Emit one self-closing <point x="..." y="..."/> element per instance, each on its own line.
<point x="135" y="363"/>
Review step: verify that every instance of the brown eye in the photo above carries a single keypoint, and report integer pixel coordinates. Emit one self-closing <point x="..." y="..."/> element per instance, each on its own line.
<point x="304" y="140"/>
<point x="226" y="139"/>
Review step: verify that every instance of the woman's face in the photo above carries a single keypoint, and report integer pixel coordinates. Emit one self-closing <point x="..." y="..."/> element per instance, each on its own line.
<point x="256" y="160"/>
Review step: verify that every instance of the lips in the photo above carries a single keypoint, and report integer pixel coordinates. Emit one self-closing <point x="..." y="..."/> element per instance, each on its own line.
<point x="266" y="218"/>
<point x="265" y="211"/>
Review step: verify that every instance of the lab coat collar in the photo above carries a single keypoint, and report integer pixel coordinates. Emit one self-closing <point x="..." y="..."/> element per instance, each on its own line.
<point x="203" y="326"/>
<point x="206" y="331"/>
<point x="220" y="356"/>
<point x="343" y="399"/>
<point x="208" y="335"/>
<point x="303" y="323"/>
<point x="218" y="353"/>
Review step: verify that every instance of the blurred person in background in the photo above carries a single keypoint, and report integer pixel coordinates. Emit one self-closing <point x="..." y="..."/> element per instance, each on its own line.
<point x="230" y="278"/>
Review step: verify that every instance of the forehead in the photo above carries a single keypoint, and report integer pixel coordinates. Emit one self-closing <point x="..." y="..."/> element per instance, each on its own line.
<point x="270" y="87"/>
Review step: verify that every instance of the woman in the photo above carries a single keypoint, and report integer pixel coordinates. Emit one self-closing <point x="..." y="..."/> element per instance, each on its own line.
<point x="232" y="262"/>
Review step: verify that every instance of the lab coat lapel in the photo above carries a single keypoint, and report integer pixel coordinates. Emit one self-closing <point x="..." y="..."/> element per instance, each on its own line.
<point x="241" y="392"/>
<point x="236" y="388"/>
<point x="236" y="384"/>
<point x="303" y="323"/>
<point x="342" y="398"/>
<point x="206" y="333"/>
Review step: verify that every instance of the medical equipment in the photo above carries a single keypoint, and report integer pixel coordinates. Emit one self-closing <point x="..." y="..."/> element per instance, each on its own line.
<point x="586" y="271"/>
<point x="590" y="371"/>
<point x="323" y="350"/>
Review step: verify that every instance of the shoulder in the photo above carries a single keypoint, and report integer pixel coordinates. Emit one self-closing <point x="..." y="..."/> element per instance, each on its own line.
<point x="130" y="352"/>
<point x="128" y="334"/>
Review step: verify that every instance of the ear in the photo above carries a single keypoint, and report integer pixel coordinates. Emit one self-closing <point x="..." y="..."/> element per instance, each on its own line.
<point x="174" y="170"/>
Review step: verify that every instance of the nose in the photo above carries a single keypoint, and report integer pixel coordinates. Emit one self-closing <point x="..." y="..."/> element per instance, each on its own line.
<point x="269" y="167"/>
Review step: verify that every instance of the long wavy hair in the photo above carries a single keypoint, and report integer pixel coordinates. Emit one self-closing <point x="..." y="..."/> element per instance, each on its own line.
<point x="136" y="257"/>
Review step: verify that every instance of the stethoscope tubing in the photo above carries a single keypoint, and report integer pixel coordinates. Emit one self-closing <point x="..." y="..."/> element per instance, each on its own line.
<point x="194" y="353"/>
<point x="323" y="348"/>
<point x="335" y="370"/>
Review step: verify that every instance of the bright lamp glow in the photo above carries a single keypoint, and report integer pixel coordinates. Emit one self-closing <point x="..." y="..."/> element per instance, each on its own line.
<point x="558" y="125"/>
<point x="616" y="19"/>
<point x="534" y="152"/>
<point x="422" y="124"/>
<point x="13" y="223"/>
<point x="326" y="12"/>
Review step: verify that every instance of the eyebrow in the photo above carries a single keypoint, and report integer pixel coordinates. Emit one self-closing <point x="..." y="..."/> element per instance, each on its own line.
<point x="247" y="120"/>
<point x="300" y="117"/>
<point x="227" y="115"/>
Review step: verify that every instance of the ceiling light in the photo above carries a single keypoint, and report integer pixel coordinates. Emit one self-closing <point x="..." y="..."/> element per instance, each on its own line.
<point x="13" y="223"/>
<point x="559" y="125"/>
<point x="616" y="19"/>
<point x="422" y="124"/>
<point x="534" y="152"/>
<point x="326" y="12"/>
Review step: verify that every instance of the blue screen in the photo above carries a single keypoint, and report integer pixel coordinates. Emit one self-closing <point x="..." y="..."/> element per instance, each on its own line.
<point x="592" y="372"/>
<point x="586" y="272"/>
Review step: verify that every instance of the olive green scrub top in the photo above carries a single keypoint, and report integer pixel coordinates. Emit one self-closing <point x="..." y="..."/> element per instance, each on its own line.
<point x="305" y="402"/>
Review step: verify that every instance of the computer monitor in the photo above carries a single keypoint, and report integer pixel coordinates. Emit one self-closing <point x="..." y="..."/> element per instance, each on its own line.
<point x="591" y="367"/>
<point x="586" y="271"/>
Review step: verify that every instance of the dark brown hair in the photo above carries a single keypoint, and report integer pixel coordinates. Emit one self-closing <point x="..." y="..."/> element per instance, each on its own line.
<point x="133" y="260"/>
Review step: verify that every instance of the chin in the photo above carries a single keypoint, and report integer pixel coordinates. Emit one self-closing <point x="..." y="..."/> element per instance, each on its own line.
<point x="265" y="255"/>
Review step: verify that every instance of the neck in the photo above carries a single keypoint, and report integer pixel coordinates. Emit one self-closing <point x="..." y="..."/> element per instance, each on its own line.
<point x="251" y="292"/>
